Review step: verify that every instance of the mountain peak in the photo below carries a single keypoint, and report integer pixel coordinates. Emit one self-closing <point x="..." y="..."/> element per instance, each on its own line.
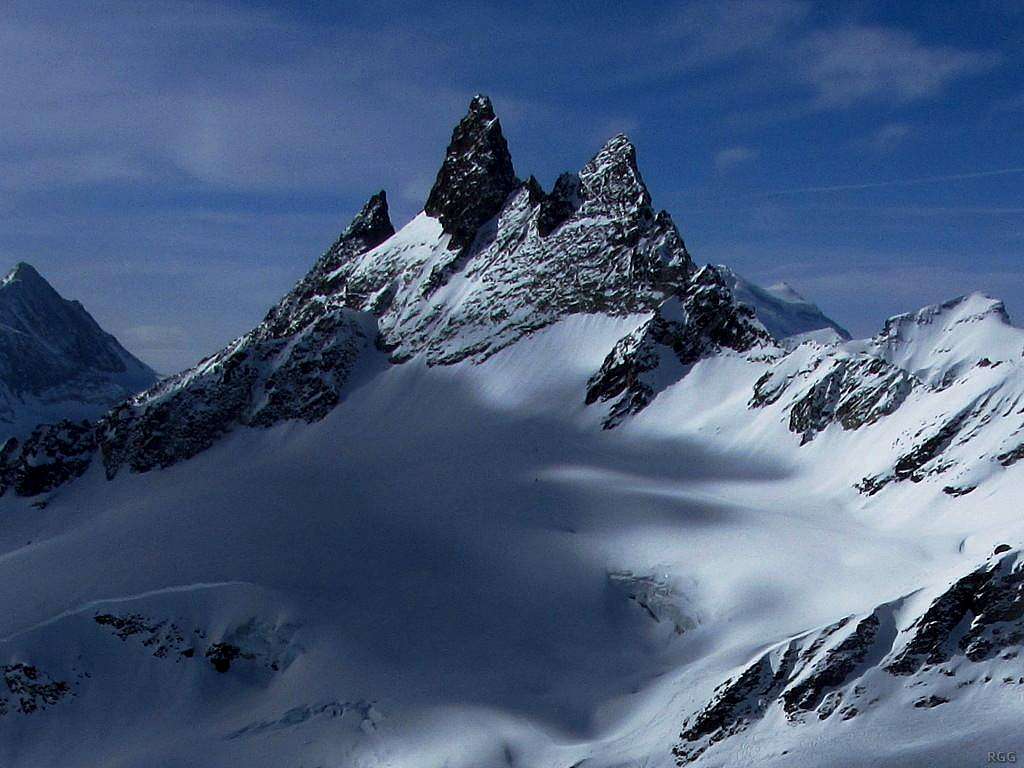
<point x="481" y="105"/>
<point x="476" y="175"/>
<point x="613" y="177"/>
<point x="55" y="361"/>
<point x="940" y="342"/>
<point x="26" y="274"/>
<point x="782" y="310"/>
<point x="970" y="308"/>
<point x="373" y="222"/>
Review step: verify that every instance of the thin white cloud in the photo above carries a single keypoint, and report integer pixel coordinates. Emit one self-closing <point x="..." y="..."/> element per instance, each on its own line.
<point x="730" y="157"/>
<point x="855" y="63"/>
<point x="889" y="136"/>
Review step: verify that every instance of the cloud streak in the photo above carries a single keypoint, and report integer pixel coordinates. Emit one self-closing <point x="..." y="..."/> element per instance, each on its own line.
<point x="730" y="157"/>
<point x="896" y="182"/>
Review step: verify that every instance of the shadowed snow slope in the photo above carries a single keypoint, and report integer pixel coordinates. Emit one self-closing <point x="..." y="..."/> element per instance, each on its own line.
<point x="520" y="485"/>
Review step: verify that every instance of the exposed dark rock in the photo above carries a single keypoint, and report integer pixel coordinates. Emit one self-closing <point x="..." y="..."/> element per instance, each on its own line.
<point x="849" y="391"/>
<point x="956" y="491"/>
<point x="33" y="690"/>
<point x="371" y="227"/>
<point x="291" y="366"/>
<point x="929" y="702"/>
<point x="992" y="597"/>
<point x="51" y="456"/>
<point x="854" y="393"/>
<point x="476" y="176"/>
<point x="700" y="322"/>
<point x="832" y="671"/>
<point x="1011" y="457"/>
<point x="603" y="250"/>
<point x="911" y="465"/>
<point x="222" y="654"/>
<point x="163" y="637"/>
<point x="734" y="707"/>
<point x="556" y="208"/>
<point x="978" y="617"/>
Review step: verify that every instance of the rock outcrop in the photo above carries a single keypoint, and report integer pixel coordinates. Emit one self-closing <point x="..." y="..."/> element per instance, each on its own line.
<point x="702" y="320"/>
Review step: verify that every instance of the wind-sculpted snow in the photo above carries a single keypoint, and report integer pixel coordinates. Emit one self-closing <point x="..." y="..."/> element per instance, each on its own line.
<point x="946" y="380"/>
<point x="943" y="342"/>
<point x="782" y="311"/>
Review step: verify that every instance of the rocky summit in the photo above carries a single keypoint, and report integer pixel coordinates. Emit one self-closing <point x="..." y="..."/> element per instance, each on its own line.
<point x="518" y="483"/>
<point x="476" y="176"/>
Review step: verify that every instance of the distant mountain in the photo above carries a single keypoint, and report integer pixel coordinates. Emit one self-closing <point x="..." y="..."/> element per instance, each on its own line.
<point x="783" y="311"/>
<point x="55" y="360"/>
<point x="521" y="484"/>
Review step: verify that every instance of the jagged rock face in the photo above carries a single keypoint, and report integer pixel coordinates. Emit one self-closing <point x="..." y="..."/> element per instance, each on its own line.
<point x="594" y="245"/>
<point x="601" y="248"/>
<point x="51" y="456"/>
<point x="476" y="176"/>
<point x="701" y="321"/>
<point x="989" y="600"/>
<point x="812" y="673"/>
<point x="311" y="298"/>
<point x="559" y="205"/>
<point x="735" y="705"/>
<point x="851" y="391"/>
<point x="970" y="633"/>
<point x="52" y="352"/>
<point x="291" y="366"/>
<point x="831" y="671"/>
<point x="258" y="381"/>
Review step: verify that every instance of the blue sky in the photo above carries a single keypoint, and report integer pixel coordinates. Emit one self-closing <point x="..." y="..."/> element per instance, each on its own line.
<point x="177" y="166"/>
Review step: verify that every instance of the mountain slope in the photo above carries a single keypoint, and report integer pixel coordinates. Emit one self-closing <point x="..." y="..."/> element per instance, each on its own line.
<point x="55" y="361"/>
<point x="520" y="484"/>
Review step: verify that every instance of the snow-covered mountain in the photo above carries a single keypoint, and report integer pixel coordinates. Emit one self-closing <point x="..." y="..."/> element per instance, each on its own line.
<point x="55" y="361"/>
<point x="520" y="484"/>
<point x="784" y="312"/>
